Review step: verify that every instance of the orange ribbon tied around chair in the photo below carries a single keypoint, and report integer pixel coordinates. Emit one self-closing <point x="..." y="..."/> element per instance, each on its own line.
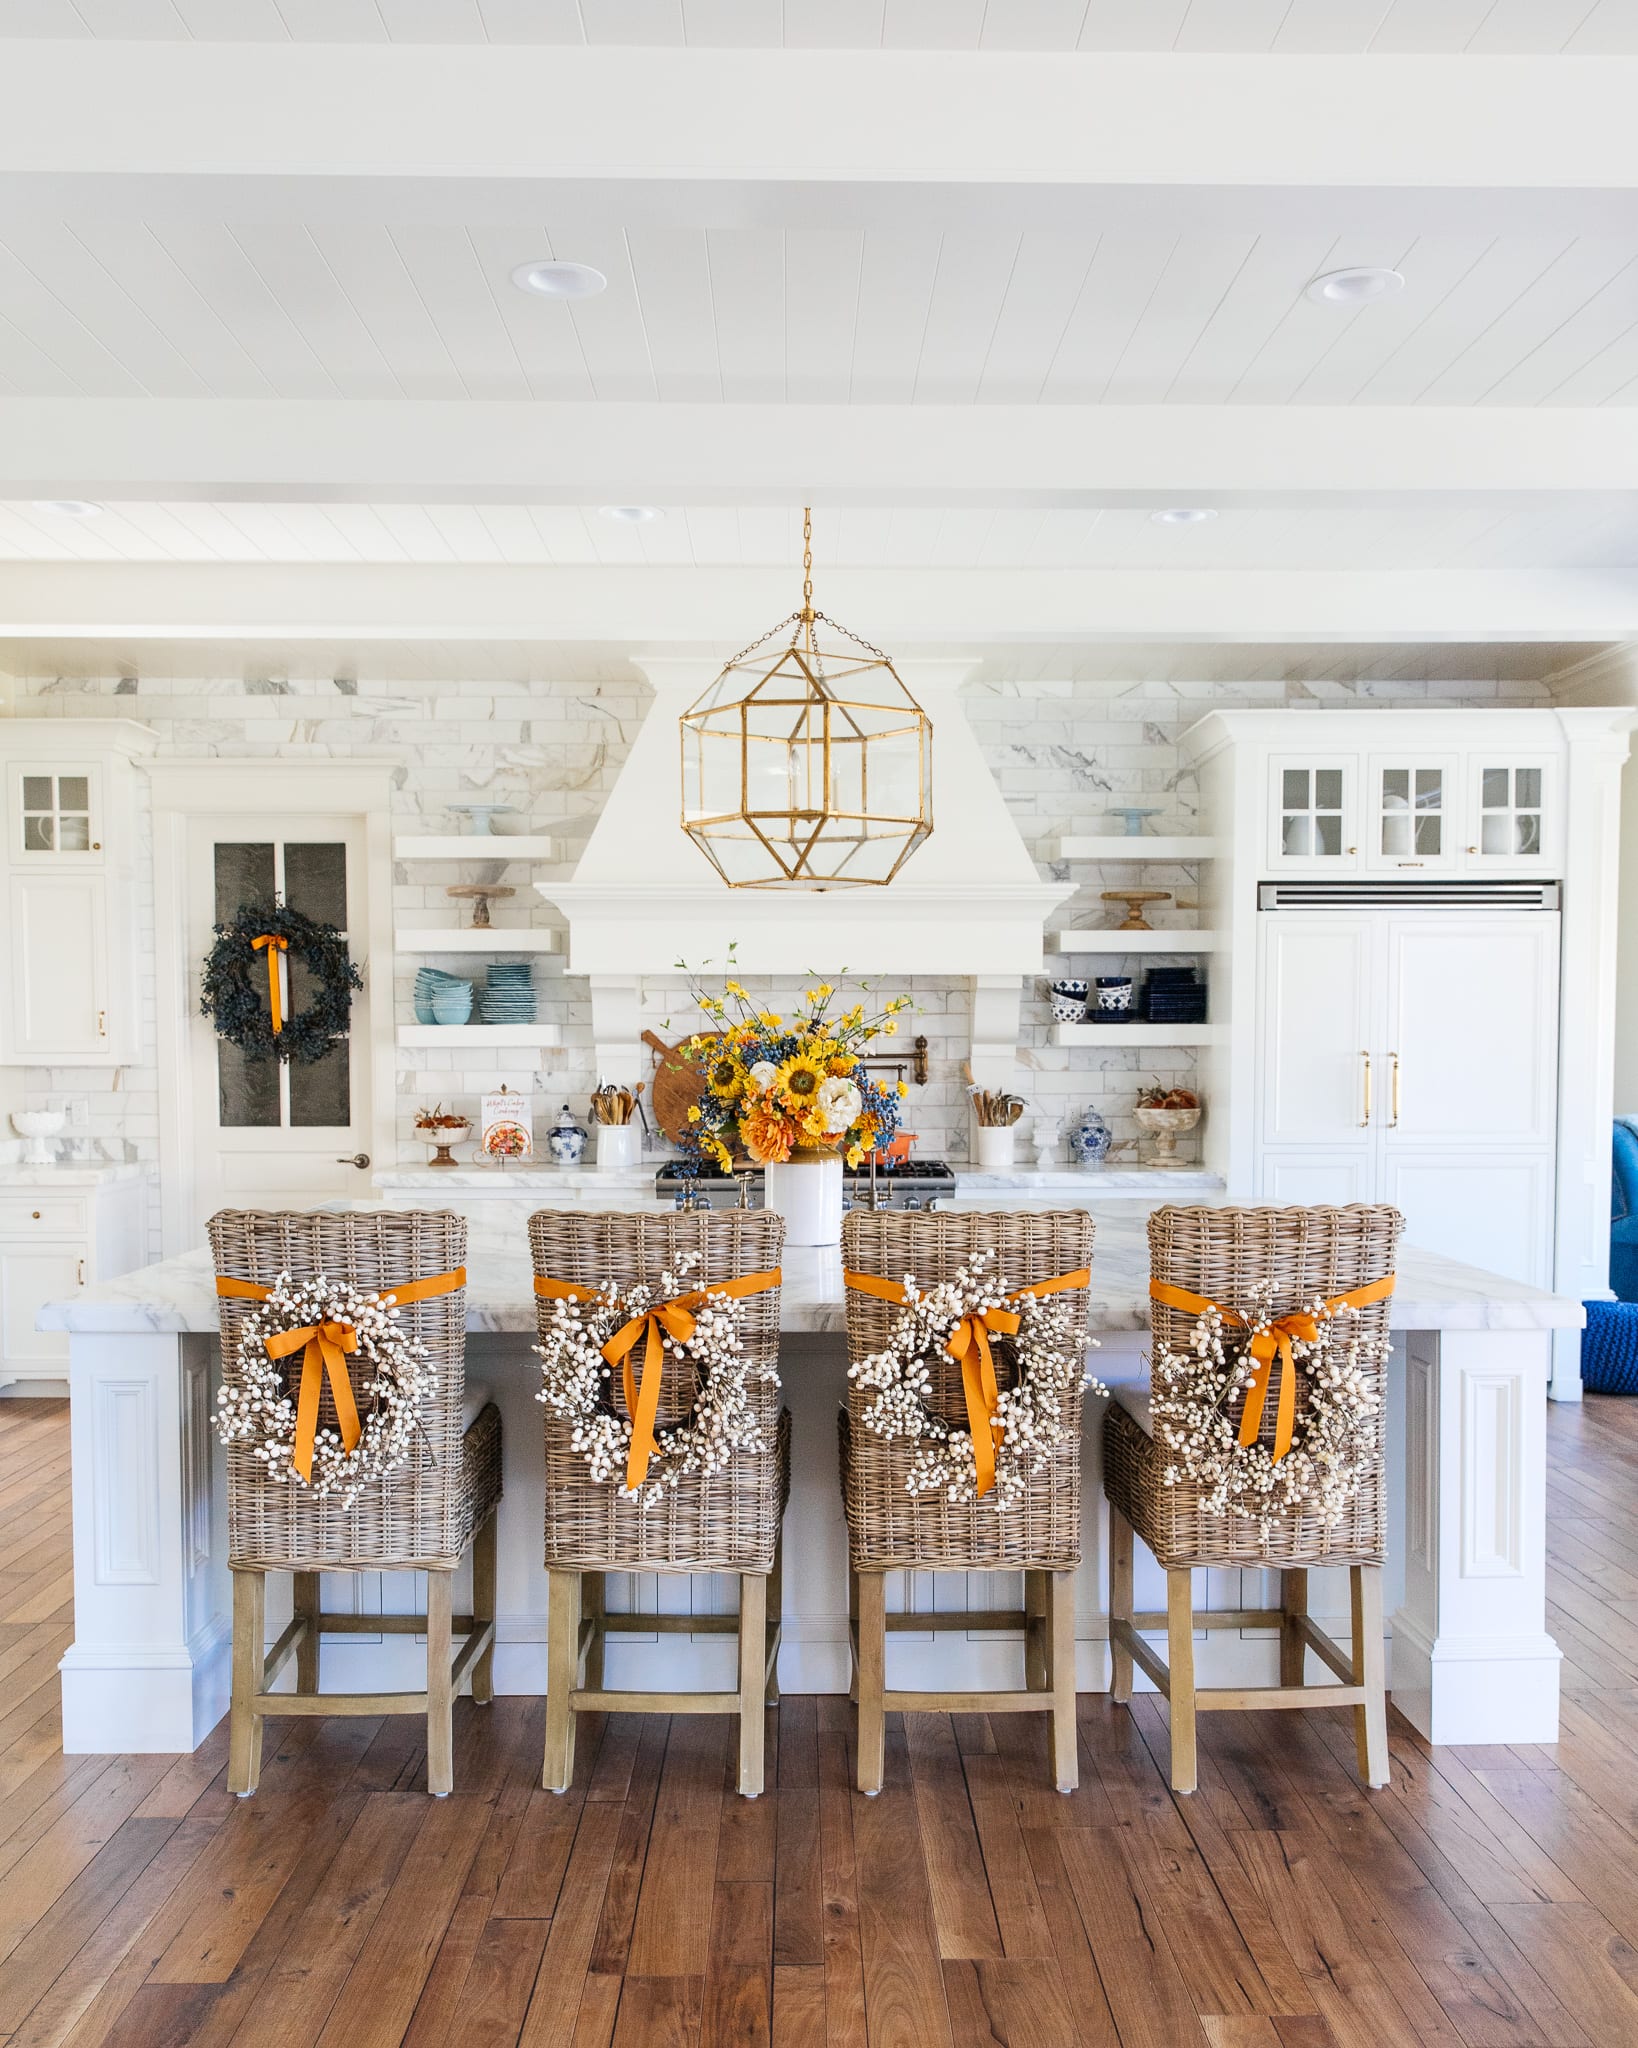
<point x="272" y="945"/>
<point x="325" y="1349"/>
<point x="1273" y="1341"/>
<point x="674" y="1319"/>
<point x="969" y="1345"/>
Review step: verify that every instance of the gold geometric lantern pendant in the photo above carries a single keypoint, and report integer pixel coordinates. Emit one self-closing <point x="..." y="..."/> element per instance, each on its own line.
<point x="807" y="766"/>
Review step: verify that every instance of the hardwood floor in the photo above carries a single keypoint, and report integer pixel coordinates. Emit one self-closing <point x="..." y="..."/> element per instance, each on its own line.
<point x="1489" y="1898"/>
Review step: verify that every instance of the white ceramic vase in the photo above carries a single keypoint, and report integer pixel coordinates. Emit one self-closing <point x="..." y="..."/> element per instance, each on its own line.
<point x="619" y="1145"/>
<point x="806" y="1190"/>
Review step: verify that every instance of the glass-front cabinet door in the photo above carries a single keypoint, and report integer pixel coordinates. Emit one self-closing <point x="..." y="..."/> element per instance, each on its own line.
<point x="55" y="816"/>
<point x="1512" y="822"/>
<point x="1313" y="811"/>
<point x="1411" y="816"/>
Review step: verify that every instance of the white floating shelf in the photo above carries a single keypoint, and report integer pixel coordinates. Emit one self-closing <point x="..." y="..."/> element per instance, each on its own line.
<point x="1137" y="1034"/>
<point x="478" y="1034"/>
<point x="472" y="846"/>
<point x="1104" y="941"/>
<point x="1110" y="848"/>
<point x="466" y="939"/>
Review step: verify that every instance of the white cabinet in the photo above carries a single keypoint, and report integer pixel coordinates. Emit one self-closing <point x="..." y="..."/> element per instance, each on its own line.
<point x="1413" y="811"/>
<point x="68" y="859"/>
<point x="1411" y="1057"/>
<point x="60" y="1231"/>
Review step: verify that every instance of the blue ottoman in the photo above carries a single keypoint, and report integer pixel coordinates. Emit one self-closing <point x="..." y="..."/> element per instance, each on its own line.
<point x="1609" y="1348"/>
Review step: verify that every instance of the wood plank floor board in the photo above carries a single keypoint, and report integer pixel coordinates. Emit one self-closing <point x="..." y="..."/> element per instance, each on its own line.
<point x="1488" y="1898"/>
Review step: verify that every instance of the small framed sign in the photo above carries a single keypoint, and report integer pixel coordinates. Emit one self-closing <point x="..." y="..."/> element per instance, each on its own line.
<point x="508" y="1130"/>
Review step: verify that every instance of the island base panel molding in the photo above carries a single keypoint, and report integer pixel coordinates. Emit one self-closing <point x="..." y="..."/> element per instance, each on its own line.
<point x="1472" y="1659"/>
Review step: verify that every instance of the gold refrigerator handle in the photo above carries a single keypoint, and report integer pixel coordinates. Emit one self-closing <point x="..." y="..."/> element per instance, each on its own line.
<point x="1365" y="1119"/>
<point x="1393" y="1107"/>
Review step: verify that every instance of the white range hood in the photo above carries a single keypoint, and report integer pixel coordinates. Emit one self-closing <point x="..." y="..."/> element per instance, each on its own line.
<point x="643" y="897"/>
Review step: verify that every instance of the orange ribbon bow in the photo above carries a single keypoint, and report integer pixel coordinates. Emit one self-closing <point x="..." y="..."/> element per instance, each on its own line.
<point x="969" y="1345"/>
<point x="325" y="1348"/>
<point x="272" y="945"/>
<point x="673" y="1319"/>
<point x="1273" y="1341"/>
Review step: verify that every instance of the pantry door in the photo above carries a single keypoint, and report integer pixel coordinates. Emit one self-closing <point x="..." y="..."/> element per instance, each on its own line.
<point x="269" y="1134"/>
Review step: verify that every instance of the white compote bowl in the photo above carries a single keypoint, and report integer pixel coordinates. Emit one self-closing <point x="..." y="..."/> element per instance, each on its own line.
<point x="36" y="1125"/>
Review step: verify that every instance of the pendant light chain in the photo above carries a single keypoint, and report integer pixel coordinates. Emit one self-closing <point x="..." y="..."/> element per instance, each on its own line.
<point x="807" y="576"/>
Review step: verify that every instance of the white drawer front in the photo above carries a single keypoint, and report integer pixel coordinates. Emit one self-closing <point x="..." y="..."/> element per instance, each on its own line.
<point x="28" y="1216"/>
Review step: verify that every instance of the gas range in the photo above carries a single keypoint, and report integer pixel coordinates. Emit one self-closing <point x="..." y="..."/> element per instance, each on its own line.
<point x="910" y="1184"/>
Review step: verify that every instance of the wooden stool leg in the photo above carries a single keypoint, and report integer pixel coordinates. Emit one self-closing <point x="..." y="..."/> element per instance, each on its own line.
<point x="1120" y="1606"/>
<point x="305" y="1602"/>
<point x="484" y="1546"/>
<point x="440" y="1692"/>
<point x="1037" y="1655"/>
<point x="753" y="1660"/>
<point x="1060" y="1644"/>
<point x="853" y="1631"/>
<point x="562" y="1634"/>
<point x="1293" y="1604"/>
<point x="1180" y="1668"/>
<point x="872" y="1680"/>
<point x="249" y="1656"/>
<point x="776" y="1615"/>
<point x="594" y="1607"/>
<point x="1370" y="1720"/>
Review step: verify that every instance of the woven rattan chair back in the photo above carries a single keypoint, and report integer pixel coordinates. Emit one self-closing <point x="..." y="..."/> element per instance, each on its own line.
<point x="1303" y="1254"/>
<point x="888" y="1527"/>
<point x="722" y="1521"/>
<point x="415" y="1518"/>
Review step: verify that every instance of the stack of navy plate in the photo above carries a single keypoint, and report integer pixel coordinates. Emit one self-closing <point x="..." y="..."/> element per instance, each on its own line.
<point x="1172" y="995"/>
<point x="509" y="993"/>
<point x="428" y="981"/>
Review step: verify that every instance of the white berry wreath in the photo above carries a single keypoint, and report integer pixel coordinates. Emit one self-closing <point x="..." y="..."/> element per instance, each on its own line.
<point x="1197" y="1401"/>
<point x="576" y="1382"/>
<point x="1035" y="1415"/>
<point x="384" y="1368"/>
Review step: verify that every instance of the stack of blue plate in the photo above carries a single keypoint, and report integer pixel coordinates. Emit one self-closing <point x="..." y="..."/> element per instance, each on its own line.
<point x="1173" y="995"/>
<point x="509" y="994"/>
<point x="428" y="981"/>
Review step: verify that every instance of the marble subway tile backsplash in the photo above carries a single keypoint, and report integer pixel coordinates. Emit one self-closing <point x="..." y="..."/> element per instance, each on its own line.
<point x="1063" y="754"/>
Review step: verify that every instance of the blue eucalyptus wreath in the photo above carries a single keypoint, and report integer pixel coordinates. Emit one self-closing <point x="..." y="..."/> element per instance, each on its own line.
<point x="234" y="991"/>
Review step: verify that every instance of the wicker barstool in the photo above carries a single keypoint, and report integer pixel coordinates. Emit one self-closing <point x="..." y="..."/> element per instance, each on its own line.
<point x="725" y="1521"/>
<point x="892" y="1529"/>
<point x="1224" y="1256"/>
<point x="420" y="1518"/>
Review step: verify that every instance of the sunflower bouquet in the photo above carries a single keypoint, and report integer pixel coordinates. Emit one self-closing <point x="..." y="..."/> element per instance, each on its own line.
<point x="774" y="1087"/>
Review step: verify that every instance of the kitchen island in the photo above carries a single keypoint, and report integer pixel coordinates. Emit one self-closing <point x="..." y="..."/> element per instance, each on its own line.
<point x="1471" y="1659"/>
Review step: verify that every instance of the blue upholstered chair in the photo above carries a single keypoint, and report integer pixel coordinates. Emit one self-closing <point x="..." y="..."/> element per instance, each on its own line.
<point x="1624" y="1211"/>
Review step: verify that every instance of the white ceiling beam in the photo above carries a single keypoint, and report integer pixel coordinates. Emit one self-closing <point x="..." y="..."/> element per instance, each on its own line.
<point x="499" y="451"/>
<point x="746" y="137"/>
<point x="679" y="609"/>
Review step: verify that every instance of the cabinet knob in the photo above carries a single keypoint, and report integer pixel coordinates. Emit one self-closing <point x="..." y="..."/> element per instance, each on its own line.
<point x="1353" y="849"/>
<point x="96" y="846"/>
<point x="102" y="1023"/>
<point x="1472" y="849"/>
<point x="35" y="1214"/>
<point x="79" y="1274"/>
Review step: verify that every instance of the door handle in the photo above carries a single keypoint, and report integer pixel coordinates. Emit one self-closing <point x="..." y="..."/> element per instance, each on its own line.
<point x="1365" y="1119"/>
<point x="358" y="1159"/>
<point x="1393" y="1105"/>
<point x="102" y="1023"/>
<point x="79" y="1273"/>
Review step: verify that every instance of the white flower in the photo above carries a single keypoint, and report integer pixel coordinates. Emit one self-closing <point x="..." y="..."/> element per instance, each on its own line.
<point x="763" y="1075"/>
<point x="839" y="1103"/>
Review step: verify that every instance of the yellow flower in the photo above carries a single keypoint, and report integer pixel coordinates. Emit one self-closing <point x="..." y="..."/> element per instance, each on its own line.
<point x="826" y="991"/>
<point x="693" y="1112"/>
<point x="889" y="1029"/>
<point x="799" y="1079"/>
<point x="734" y="989"/>
<point x="771" y="1018"/>
<point x="904" y="1089"/>
<point x="726" y="1078"/>
<point x="855" y="1153"/>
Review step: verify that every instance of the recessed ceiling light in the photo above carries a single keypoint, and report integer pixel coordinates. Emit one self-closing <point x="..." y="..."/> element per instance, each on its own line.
<point x="1183" y="515"/>
<point x="560" y="280"/>
<point x="70" y="508"/>
<point x="1355" y="287"/>
<point x="633" y="515"/>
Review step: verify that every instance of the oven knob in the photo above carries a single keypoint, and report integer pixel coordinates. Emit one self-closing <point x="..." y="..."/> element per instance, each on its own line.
<point x="702" y="1201"/>
<point x="912" y="1201"/>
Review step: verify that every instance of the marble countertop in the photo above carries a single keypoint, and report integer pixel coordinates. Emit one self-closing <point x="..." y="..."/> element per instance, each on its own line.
<point x="1434" y="1293"/>
<point x="1085" y="1183"/>
<point x="72" y="1174"/>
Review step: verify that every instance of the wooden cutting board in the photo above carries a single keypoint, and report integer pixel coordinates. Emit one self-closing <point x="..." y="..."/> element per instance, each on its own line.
<point x="678" y="1084"/>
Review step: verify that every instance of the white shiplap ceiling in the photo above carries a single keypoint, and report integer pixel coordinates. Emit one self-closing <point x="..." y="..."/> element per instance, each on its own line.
<point x="246" y="308"/>
<point x="1552" y="533"/>
<point x="1345" y="27"/>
